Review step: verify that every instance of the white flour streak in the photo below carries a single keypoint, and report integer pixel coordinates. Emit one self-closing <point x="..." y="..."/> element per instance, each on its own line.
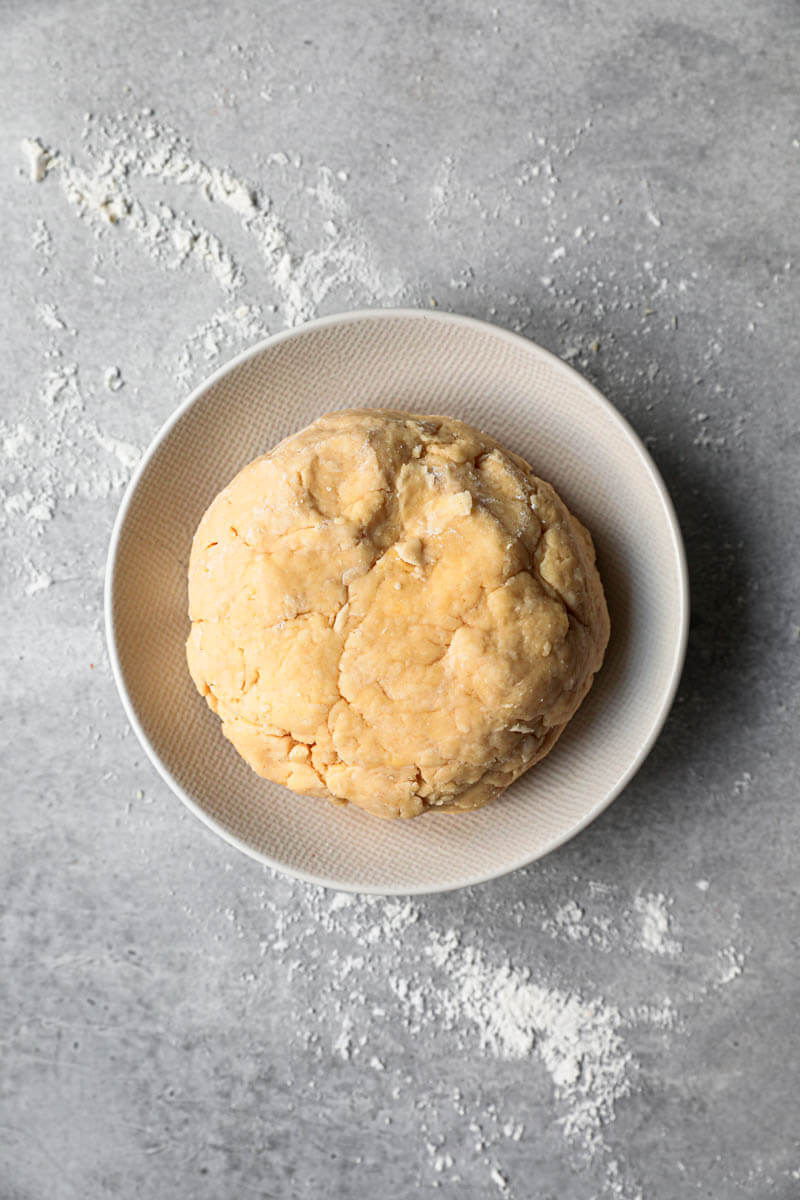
<point x="102" y="193"/>
<point x="122" y="153"/>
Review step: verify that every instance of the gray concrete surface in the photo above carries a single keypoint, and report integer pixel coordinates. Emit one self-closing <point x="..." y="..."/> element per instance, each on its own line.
<point x="176" y="1021"/>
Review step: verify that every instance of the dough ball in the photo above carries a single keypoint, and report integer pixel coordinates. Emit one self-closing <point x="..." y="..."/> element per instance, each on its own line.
<point x="392" y="610"/>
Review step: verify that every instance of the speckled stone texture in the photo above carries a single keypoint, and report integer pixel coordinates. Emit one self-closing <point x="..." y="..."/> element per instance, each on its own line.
<point x="620" y="182"/>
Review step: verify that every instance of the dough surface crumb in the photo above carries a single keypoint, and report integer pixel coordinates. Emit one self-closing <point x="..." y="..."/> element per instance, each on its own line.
<point x="392" y="611"/>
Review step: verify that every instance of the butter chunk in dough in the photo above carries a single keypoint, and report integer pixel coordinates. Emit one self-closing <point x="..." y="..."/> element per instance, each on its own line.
<point x="393" y="611"/>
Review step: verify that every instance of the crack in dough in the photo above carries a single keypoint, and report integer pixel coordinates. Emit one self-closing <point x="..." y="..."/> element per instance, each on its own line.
<point x="403" y="598"/>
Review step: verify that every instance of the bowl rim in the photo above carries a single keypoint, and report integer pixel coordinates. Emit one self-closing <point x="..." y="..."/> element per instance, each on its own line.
<point x="352" y="317"/>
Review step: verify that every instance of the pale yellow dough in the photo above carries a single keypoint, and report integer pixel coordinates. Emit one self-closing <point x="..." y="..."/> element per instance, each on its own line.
<point x="392" y="610"/>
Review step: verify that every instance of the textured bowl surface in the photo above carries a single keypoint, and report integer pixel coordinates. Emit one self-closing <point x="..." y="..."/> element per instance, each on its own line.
<point x="427" y="363"/>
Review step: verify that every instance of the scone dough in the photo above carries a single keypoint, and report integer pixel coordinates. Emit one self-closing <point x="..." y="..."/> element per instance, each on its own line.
<point x="393" y="610"/>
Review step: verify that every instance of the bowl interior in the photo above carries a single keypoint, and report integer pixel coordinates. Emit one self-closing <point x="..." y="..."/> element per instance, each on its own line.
<point x="425" y="363"/>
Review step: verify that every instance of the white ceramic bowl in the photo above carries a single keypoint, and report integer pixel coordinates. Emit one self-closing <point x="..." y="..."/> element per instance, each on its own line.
<point x="425" y="362"/>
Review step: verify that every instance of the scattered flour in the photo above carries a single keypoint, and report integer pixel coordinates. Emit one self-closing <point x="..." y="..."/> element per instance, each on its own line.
<point x="389" y="961"/>
<point x="578" y="1040"/>
<point x="499" y="1180"/>
<point x="731" y="963"/>
<point x="650" y="211"/>
<point x="569" y="918"/>
<point x="39" y="581"/>
<point x="125" y="453"/>
<point x="343" y="1045"/>
<point x="573" y="923"/>
<point x="135" y="180"/>
<point x="38" y="158"/>
<point x="49" y="316"/>
<point x="226" y="329"/>
<point x="656" y="924"/>
<point x="58" y="454"/>
<point x="440" y="197"/>
<point x="125" y="181"/>
<point x="42" y="243"/>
